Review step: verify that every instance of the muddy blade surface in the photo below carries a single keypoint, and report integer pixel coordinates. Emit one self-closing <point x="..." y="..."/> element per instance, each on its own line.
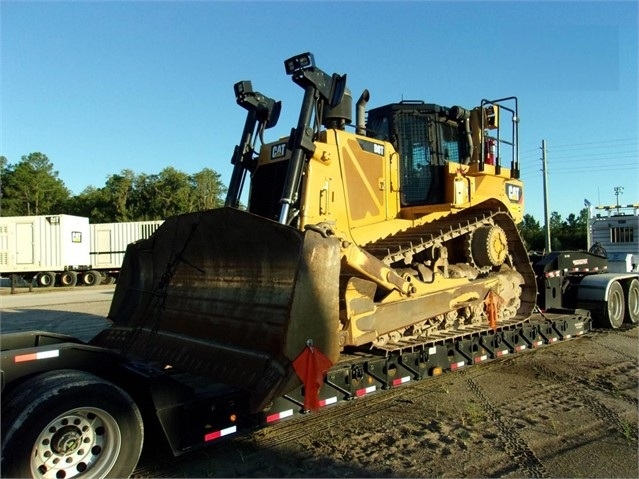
<point x="230" y="296"/>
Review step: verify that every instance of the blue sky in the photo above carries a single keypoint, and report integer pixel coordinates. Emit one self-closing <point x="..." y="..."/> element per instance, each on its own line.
<point x="100" y="87"/>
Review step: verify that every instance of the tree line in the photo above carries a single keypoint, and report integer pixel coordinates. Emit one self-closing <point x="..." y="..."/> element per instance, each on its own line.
<point x="565" y="234"/>
<point x="32" y="187"/>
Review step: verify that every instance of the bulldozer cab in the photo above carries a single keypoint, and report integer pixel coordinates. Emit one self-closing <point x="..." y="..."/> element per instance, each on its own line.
<point x="426" y="139"/>
<point x="451" y="155"/>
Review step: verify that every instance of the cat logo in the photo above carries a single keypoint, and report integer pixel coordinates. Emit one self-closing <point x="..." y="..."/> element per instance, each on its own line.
<point x="371" y="147"/>
<point x="514" y="193"/>
<point x="278" y="151"/>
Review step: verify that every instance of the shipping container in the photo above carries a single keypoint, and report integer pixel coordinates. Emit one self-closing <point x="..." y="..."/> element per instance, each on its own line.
<point x="109" y="241"/>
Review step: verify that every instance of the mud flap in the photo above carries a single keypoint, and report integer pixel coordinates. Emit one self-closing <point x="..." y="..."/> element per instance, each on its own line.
<point x="228" y="295"/>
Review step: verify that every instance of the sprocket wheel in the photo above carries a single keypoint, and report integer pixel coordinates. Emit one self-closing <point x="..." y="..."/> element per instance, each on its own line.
<point x="487" y="247"/>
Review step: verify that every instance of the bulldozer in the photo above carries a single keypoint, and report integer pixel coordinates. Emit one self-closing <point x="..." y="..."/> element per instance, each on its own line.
<point x="392" y="233"/>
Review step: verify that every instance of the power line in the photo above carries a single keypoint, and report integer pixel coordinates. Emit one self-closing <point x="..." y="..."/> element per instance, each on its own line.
<point x="572" y="150"/>
<point x="554" y="171"/>
<point x="620" y="154"/>
<point x="600" y="143"/>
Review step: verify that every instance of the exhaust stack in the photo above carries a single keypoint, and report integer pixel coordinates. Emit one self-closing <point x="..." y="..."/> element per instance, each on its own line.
<point x="361" y="113"/>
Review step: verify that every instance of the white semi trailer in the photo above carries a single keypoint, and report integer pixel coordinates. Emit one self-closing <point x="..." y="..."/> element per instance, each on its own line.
<point x="65" y="250"/>
<point x="614" y="232"/>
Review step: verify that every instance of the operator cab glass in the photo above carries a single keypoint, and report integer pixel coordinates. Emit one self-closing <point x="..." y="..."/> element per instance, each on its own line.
<point x="426" y="139"/>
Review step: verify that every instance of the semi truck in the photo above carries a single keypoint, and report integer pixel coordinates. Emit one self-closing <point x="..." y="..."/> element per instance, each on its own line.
<point x="64" y="250"/>
<point x="366" y="258"/>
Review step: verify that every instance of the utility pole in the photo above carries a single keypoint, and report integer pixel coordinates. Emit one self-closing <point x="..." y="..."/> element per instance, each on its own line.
<point x="546" y="216"/>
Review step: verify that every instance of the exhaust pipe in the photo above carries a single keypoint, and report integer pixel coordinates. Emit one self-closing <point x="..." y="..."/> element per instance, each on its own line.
<point x="462" y="115"/>
<point x="361" y="113"/>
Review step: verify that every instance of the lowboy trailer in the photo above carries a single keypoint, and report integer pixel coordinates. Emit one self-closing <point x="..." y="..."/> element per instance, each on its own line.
<point x="88" y="407"/>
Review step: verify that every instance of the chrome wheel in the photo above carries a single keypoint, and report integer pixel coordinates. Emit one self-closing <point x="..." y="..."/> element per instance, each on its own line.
<point x="80" y="441"/>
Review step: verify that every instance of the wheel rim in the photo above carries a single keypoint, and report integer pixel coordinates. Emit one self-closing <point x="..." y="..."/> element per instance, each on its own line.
<point x="615" y="306"/>
<point x="68" y="279"/>
<point x="633" y="301"/>
<point x="81" y="442"/>
<point x="46" y="279"/>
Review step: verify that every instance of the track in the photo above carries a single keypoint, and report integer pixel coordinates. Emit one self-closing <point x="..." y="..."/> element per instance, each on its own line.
<point x="455" y="231"/>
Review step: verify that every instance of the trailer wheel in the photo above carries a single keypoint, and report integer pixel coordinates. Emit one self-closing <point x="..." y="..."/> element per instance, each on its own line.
<point x="68" y="279"/>
<point x="92" y="278"/>
<point x="632" y="301"/>
<point x="70" y="424"/>
<point x="46" y="280"/>
<point x="614" y="310"/>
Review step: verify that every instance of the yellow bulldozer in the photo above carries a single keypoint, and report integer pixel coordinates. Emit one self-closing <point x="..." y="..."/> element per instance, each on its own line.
<point x="392" y="233"/>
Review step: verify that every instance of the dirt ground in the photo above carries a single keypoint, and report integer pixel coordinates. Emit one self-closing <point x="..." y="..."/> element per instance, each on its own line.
<point x="566" y="410"/>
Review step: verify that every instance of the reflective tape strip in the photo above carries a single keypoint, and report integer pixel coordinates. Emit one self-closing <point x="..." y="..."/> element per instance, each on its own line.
<point x="326" y="402"/>
<point x="369" y="389"/>
<point x="457" y="365"/>
<point x="279" y="415"/>
<point x="553" y="340"/>
<point x="503" y="352"/>
<point x="397" y="382"/>
<point x="479" y="359"/>
<point x="36" y="356"/>
<point x="538" y="343"/>
<point x="557" y="273"/>
<point x="520" y="348"/>
<point x="223" y="432"/>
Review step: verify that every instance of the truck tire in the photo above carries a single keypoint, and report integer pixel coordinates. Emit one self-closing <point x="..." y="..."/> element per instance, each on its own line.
<point x="632" y="301"/>
<point x="46" y="279"/>
<point x="68" y="279"/>
<point x="614" y="310"/>
<point x="92" y="278"/>
<point x="70" y="424"/>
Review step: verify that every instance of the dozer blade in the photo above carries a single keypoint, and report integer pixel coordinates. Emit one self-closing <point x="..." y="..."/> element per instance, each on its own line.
<point x="230" y="296"/>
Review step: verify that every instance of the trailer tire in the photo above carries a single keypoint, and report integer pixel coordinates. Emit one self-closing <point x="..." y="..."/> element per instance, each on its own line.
<point x="631" y="291"/>
<point x="70" y="424"/>
<point x="92" y="278"/>
<point x="614" y="309"/>
<point x="46" y="279"/>
<point x="68" y="279"/>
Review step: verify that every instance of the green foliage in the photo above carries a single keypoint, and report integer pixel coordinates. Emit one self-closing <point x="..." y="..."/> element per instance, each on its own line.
<point x="532" y="233"/>
<point x="31" y="187"/>
<point x="569" y="234"/>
